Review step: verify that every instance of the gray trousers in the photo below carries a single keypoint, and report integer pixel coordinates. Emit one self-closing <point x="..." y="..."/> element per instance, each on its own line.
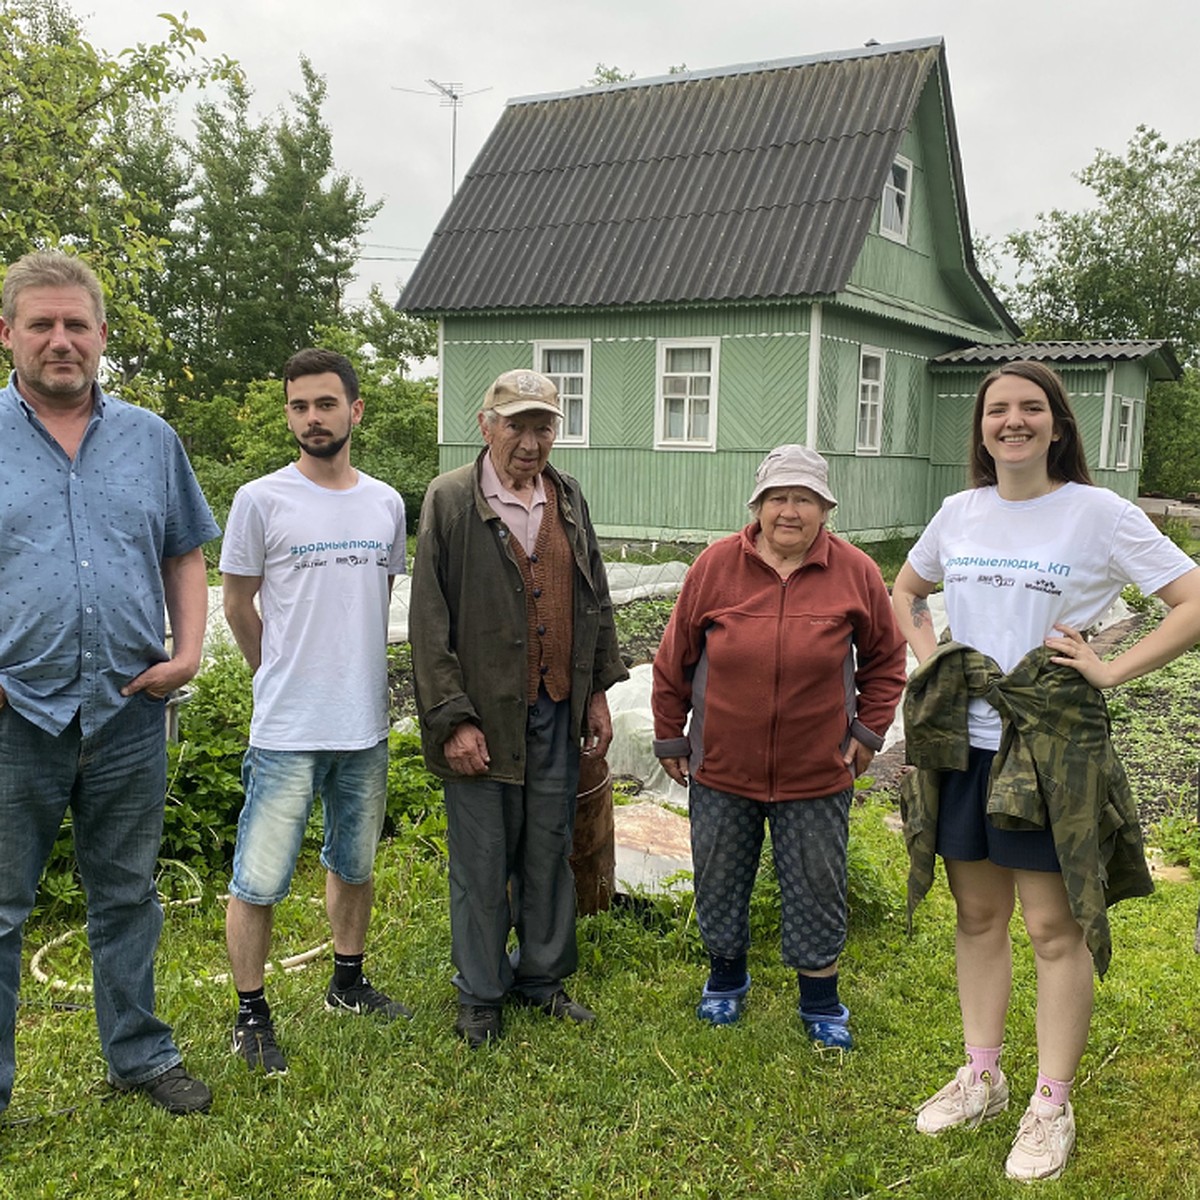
<point x="510" y="849"/>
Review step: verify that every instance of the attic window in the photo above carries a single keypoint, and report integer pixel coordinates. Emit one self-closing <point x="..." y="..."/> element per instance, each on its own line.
<point x="897" y="194"/>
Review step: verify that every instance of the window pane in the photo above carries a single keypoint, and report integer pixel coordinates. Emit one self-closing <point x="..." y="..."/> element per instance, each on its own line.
<point x="675" y="385"/>
<point x="872" y="367"/>
<point x="894" y="212"/>
<point x="563" y="362"/>
<point x="688" y="358"/>
<point x="674" y="419"/>
<point x="573" y="417"/>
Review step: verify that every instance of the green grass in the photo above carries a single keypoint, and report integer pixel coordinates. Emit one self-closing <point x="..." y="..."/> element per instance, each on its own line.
<point x="647" y="1103"/>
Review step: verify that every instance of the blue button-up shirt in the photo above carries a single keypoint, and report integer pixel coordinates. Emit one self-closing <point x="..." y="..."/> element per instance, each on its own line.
<point x="82" y="541"/>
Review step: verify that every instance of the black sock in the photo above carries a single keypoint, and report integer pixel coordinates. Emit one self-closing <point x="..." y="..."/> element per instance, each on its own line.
<point x="819" y="995"/>
<point x="253" y="1004"/>
<point x="726" y="974"/>
<point x="347" y="970"/>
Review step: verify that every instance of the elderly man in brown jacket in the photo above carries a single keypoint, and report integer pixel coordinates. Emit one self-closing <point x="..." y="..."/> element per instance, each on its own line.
<point x="513" y="647"/>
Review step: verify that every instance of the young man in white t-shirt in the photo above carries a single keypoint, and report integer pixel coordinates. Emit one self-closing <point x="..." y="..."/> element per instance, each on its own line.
<point x="318" y="543"/>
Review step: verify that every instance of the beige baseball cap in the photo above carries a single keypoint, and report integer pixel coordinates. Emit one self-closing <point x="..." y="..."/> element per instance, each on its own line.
<point x="522" y="391"/>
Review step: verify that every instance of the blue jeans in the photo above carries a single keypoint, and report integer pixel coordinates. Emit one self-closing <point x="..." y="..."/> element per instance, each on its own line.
<point x="113" y="782"/>
<point x="280" y="788"/>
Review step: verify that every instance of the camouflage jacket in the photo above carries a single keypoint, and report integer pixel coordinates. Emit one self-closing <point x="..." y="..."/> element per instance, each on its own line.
<point x="1055" y="764"/>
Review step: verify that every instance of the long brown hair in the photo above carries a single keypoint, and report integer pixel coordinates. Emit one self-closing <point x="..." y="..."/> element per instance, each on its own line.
<point x="1066" y="461"/>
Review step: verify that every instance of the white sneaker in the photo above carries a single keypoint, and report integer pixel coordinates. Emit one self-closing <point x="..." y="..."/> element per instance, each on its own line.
<point x="965" y="1100"/>
<point x="1043" y="1143"/>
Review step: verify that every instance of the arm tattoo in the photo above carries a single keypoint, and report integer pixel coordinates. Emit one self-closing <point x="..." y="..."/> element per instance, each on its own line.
<point x="919" y="611"/>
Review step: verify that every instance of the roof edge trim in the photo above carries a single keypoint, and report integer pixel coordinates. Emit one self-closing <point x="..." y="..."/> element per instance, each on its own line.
<point x="770" y="64"/>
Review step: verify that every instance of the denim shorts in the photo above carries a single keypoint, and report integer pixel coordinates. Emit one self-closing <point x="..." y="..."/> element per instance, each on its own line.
<point x="280" y="788"/>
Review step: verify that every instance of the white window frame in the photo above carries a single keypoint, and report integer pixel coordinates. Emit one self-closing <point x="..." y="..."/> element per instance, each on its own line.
<point x="872" y="400"/>
<point x="540" y="350"/>
<point x="661" y="441"/>
<point x="1124" y="448"/>
<point x="905" y="206"/>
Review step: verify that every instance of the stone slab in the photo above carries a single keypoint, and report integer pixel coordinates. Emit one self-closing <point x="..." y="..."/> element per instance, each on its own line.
<point x="653" y="844"/>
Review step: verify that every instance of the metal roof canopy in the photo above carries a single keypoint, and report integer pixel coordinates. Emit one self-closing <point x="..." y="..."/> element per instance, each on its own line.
<point x="1164" y="364"/>
<point x="746" y="183"/>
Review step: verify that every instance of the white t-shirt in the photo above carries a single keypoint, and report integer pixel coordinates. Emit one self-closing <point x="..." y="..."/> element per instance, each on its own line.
<point x="325" y="557"/>
<point x="1014" y="569"/>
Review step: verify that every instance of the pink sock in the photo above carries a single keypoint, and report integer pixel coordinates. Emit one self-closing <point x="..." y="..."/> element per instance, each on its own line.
<point x="1053" y="1091"/>
<point x="985" y="1061"/>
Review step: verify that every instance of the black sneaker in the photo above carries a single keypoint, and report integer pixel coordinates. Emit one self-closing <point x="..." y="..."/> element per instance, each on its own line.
<point x="363" y="1000"/>
<point x="560" y="1006"/>
<point x="176" y="1092"/>
<point x="254" y="1041"/>
<point x="478" y="1024"/>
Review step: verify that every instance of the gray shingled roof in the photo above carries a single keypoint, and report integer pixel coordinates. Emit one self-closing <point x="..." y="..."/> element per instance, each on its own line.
<point x="1063" y="352"/>
<point x="749" y="183"/>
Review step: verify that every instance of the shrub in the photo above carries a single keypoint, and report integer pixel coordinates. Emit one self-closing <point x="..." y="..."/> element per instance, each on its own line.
<point x="414" y="794"/>
<point x="1177" y="834"/>
<point x="204" y="777"/>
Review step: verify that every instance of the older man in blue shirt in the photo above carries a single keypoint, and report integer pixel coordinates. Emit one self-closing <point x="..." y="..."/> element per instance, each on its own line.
<point x="101" y="524"/>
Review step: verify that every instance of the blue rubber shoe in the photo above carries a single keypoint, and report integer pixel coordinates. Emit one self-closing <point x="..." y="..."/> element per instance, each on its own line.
<point x="829" y="1031"/>
<point x="722" y="1008"/>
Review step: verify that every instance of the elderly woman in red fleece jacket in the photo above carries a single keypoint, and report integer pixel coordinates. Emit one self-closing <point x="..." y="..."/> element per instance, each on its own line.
<point x="784" y="652"/>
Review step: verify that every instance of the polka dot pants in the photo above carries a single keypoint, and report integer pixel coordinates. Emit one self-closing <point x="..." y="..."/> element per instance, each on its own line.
<point x="808" y="840"/>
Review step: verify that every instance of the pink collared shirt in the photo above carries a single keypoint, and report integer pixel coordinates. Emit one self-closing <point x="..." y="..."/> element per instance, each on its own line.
<point x="524" y="523"/>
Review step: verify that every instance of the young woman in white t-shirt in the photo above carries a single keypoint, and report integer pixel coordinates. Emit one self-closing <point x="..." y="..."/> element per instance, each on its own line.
<point x="1032" y="507"/>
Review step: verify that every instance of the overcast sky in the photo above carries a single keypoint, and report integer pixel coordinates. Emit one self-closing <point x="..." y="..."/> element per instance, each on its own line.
<point x="1037" y="85"/>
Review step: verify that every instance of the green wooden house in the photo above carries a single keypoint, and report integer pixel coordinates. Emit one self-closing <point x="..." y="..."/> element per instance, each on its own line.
<point x="713" y="263"/>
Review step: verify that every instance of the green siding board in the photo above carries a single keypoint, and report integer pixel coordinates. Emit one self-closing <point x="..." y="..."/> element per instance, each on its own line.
<point x="622" y="394"/>
<point x="945" y="481"/>
<point x="636" y="491"/>
<point x="1124" y="483"/>
<point x="930" y="269"/>
<point x="951" y="424"/>
<point x="761" y="346"/>
<point x="762" y="395"/>
<point x="1130" y="379"/>
<point x="878" y="493"/>
<point x="517" y="331"/>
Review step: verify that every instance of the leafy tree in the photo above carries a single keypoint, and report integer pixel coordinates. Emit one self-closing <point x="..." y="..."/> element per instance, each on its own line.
<point x="1169" y="448"/>
<point x="65" y="107"/>
<point x="211" y="265"/>
<point x="393" y="336"/>
<point x="605" y="74"/>
<point x="262" y="244"/>
<point x="1127" y="267"/>
<point x="150" y="164"/>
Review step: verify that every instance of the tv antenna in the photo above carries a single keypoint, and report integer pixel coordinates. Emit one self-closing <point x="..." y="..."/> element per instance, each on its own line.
<point x="452" y="96"/>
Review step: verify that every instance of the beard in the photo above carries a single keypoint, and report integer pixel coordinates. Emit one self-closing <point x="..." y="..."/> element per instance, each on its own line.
<point x="322" y="449"/>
